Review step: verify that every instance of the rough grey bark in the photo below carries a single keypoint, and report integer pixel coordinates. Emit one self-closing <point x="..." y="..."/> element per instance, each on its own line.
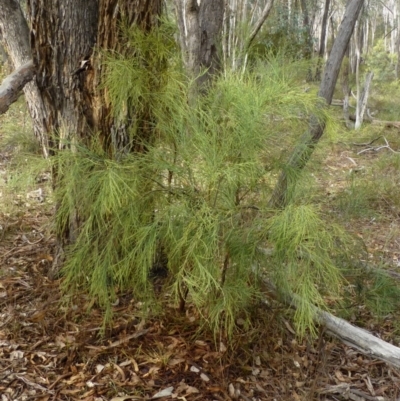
<point x="11" y="87"/>
<point x="303" y="151"/>
<point x="200" y="28"/>
<point x="15" y="36"/>
<point x="68" y="29"/>
<point x="68" y="39"/>
<point x="3" y="54"/>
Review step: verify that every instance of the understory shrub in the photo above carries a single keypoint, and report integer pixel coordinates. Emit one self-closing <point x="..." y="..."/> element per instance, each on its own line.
<point x="196" y="201"/>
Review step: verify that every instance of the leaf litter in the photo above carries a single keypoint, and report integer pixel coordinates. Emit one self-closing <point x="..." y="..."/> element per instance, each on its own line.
<point x="52" y="352"/>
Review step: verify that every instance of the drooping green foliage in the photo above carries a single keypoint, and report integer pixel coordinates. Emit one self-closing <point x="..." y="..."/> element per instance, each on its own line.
<point x="138" y="77"/>
<point x="197" y="198"/>
<point x="307" y="254"/>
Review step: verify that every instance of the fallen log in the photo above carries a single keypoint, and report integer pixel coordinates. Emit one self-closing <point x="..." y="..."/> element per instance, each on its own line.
<point x="387" y="124"/>
<point x="11" y="87"/>
<point x="360" y="339"/>
<point x="374" y="121"/>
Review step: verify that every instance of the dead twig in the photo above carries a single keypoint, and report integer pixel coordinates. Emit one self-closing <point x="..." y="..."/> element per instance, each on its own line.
<point x="378" y="148"/>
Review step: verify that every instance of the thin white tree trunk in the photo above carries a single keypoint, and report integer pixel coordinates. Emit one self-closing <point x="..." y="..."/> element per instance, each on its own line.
<point x="362" y="100"/>
<point x="358" y="85"/>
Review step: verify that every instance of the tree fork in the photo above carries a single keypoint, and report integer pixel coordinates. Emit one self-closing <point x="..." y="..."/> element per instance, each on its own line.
<point x="10" y="89"/>
<point x="16" y="39"/>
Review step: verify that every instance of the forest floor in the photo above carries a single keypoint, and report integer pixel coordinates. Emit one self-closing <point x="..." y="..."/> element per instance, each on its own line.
<point x="53" y="350"/>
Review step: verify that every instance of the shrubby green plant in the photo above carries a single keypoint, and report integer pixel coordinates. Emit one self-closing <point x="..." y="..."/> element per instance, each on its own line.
<point x="197" y="198"/>
<point x="382" y="63"/>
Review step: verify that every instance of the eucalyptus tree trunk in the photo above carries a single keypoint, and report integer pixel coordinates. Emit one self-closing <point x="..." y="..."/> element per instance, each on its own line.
<point x="210" y="28"/>
<point x="68" y="40"/>
<point x="398" y="58"/>
<point x="3" y="55"/>
<point x="322" y="39"/>
<point x="362" y="100"/>
<point x="69" y="67"/>
<point x="345" y="75"/>
<point x="307" y="26"/>
<point x="303" y="151"/>
<point x="15" y="37"/>
<point x="200" y="26"/>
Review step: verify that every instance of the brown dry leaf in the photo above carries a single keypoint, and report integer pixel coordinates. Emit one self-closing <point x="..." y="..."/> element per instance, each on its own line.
<point x="163" y="393"/>
<point x="340" y="376"/>
<point x="186" y="389"/>
<point x="153" y="370"/>
<point x="175" y="361"/>
<point x="120" y="371"/>
<point x="295" y="396"/>
<point x="370" y="387"/>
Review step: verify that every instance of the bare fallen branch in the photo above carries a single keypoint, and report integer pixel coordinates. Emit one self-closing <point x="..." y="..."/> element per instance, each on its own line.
<point x="346" y="390"/>
<point x="387" y="124"/>
<point x="353" y="336"/>
<point x="378" y="148"/>
<point x="11" y="87"/>
<point x="374" y="121"/>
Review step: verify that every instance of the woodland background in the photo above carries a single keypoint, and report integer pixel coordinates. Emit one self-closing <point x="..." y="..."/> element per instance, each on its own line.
<point x="199" y="200"/>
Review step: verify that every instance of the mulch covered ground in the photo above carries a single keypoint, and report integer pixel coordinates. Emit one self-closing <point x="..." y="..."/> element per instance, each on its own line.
<point x="54" y="350"/>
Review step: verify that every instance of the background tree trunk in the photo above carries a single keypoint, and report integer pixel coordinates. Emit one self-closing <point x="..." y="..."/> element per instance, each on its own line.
<point x="200" y="27"/>
<point x="15" y="36"/>
<point x="322" y="40"/>
<point x="303" y="151"/>
<point x="63" y="34"/>
<point x="362" y="100"/>
<point x="11" y="88"/>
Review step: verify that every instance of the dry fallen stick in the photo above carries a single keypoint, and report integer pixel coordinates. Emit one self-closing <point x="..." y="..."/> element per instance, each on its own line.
<point x="376" y="149"/>
<point x="345" y="390"/>
<point x="353" y="336"/>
